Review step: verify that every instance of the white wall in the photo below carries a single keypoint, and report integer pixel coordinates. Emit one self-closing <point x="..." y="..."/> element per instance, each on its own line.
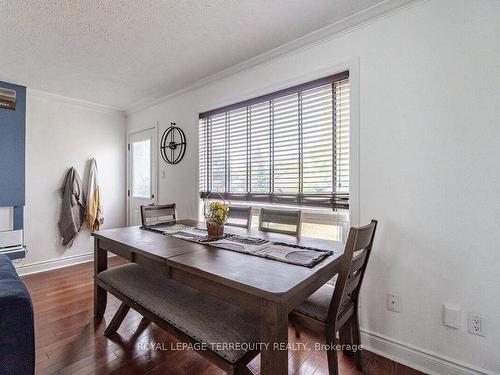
<point x="429" y="83"/>
<point x="6" y="218"/>
<point x="62" y="133"/>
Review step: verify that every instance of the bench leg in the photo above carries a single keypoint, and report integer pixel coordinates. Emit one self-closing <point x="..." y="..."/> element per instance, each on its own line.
<point x="243" y="370"/>
<point x="117" y="320"/>
<point x="296" y="326"/>
<point x="100" y="294"/>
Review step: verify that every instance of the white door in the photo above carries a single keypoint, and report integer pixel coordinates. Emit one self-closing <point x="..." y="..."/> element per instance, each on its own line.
<point x="142" y="173"/>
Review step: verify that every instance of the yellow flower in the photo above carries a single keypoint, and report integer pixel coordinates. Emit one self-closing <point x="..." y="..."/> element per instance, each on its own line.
<point x="218" y="212"/>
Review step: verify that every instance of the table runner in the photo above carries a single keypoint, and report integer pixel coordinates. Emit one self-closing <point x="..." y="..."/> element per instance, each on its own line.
<point x="280" y="251"/>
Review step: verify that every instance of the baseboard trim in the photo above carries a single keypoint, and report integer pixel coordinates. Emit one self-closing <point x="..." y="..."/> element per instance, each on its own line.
<point x="53" y="264"/>
<point x="417" y="358"/>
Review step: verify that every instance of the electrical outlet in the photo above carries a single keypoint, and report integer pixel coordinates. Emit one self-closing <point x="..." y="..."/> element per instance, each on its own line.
<point x="393" y="303"/>
<point x="476" y="324"/>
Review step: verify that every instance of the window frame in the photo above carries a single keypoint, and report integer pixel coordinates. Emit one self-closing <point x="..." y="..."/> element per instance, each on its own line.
<point x="333" y="200"/>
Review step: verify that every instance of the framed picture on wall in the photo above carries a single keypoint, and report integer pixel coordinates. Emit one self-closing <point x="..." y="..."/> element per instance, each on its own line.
<point x="7" y="99"/>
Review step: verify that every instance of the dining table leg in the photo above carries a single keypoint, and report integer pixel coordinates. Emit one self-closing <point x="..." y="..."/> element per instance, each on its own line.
<point x="100" y="294"/>
<point x="274" y="337"/>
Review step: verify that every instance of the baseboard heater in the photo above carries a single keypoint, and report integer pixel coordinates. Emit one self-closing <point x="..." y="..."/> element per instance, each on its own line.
<point x="11" y="244"/>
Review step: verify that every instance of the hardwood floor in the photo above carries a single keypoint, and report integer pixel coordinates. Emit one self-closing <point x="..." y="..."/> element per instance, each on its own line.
<point x="68" y="342"/>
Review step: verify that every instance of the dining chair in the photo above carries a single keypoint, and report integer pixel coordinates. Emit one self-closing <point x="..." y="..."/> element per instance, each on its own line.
<point x="158" y="215"/>
<point x="330" y="309"/>
<point x="280" y="221"/>
<point x="240" y="216"/>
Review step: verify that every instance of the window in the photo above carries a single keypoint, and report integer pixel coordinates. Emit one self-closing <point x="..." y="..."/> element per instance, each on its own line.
<point x="289" y="147"/>
<point x="141" y="169"/>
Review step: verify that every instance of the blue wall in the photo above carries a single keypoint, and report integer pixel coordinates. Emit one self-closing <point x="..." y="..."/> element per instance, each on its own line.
<point x="12" y="154"/>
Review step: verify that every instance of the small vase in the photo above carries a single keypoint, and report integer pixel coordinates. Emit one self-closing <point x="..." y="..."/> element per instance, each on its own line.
<point x="215" y="230"/>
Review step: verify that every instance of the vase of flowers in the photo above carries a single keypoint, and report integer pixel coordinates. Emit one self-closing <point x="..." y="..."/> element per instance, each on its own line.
<point x="216" y="217"/>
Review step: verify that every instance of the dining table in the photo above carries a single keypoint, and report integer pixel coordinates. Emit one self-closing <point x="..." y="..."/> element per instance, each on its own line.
<point x="268" y="288"/>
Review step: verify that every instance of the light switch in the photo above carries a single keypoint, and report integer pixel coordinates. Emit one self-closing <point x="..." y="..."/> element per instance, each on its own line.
<point x="452" y="316"/>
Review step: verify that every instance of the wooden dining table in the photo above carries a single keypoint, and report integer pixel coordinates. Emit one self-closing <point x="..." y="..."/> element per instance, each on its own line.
<point x="268" y="288"/>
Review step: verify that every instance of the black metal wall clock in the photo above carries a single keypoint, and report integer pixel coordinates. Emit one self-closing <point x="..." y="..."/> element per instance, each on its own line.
<point x="173" y="144"/>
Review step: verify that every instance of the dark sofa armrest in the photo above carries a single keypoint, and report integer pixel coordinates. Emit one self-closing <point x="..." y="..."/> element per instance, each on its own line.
<point x="17" y="332"/>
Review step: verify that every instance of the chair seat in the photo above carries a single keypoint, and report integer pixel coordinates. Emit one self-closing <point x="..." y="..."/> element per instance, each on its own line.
<point x="208" y="320"/>
<point x="316" y="305"/>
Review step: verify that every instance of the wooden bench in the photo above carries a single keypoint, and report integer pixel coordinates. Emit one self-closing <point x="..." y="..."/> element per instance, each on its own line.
<point x="219" y="328"/>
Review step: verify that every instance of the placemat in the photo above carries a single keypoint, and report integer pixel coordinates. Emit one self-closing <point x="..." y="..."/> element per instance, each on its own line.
<point x="280" y="251"/>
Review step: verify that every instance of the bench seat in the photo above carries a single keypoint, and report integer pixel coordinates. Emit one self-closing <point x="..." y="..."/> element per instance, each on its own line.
<point x="207" y="320"/>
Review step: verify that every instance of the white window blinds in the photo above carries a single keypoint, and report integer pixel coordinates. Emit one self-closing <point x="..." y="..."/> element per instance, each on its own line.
<point x="289" y="147"/>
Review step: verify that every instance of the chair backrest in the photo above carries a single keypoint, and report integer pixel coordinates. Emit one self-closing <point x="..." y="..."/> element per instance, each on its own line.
<point x="280" y="221"/>
<point x="240" y="216"/>
<point x="154" y="216"/>
<point x="354" y="260"/>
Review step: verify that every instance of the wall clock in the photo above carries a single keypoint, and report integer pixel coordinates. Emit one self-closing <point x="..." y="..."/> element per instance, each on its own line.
<point x="173" y="144"/>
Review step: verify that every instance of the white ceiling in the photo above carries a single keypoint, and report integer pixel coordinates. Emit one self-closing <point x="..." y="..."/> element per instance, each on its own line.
<point x="118" y="53"/>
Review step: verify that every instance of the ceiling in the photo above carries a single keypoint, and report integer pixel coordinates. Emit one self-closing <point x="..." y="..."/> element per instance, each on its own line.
<point x="119" y="53"/>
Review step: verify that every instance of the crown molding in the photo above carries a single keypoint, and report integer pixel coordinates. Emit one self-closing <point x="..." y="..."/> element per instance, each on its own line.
<point x="356" y="21"/>
<point x="34" y="93"/>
